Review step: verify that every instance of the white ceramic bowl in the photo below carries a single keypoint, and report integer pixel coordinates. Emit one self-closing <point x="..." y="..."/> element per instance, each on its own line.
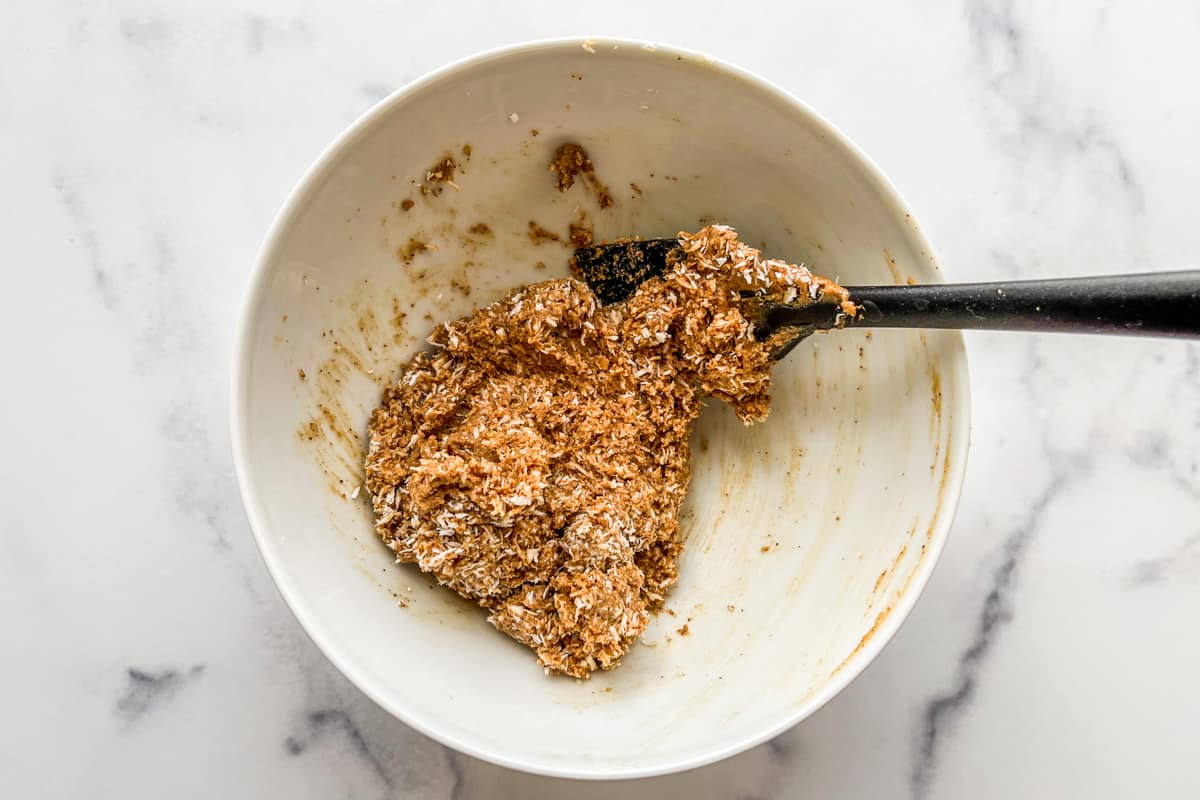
<point x="809" y="536"/>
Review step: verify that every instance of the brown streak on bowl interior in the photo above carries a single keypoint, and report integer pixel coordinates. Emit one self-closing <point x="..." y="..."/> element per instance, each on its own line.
<point x="935" y="416"/>
<point x="539" y="234"/>
<point x="411" y="250"/>
<point x="891" y="265"/>
<point x="882" y="616"/>
<point x="941" y="496"/>
<point x="337" y="446"/>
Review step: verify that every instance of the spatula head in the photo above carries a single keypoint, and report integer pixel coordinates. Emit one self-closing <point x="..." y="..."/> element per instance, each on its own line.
<point x="613" y="271"/>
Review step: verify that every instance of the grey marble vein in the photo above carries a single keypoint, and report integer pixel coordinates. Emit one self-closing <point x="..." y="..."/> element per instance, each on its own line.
<point x="265" y="34"/>
<point x="199" y="491"/>
<point x="782" y="747"/>
<point x="322" y="723"/>
<point x="374" y="92"/>
<point x="454" y="761"/>
<point x="86" y="236"/>
<point x="147" y="690"/>
<point x="167" y="329"/>
<point x="942" y="711"/>
<point x="1154" y="570"/>
<point x="153" y="34"/>
<point x="1047" y="119"/>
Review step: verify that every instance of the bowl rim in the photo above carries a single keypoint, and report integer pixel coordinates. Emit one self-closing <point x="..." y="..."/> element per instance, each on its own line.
<point x="294" y="596"/>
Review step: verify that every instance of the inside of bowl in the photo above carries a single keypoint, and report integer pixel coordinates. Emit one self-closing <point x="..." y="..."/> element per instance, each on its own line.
<point x="806" y="534"/>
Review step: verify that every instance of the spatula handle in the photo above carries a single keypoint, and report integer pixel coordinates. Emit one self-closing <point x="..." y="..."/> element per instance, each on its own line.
<point x="1152" y="304"/>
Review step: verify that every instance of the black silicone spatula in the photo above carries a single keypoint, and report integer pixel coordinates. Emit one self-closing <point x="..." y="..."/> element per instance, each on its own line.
<point x="1151" y="304"/>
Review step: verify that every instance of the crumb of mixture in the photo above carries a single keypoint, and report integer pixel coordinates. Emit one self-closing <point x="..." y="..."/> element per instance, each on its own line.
<point x="534" y="132"/>
<point x="580" y="232"/>
<point x="538" y="234"/>
<point x="571" y="161"/>
<point x="442" y="172"/>
<point x="684" y="631"/>
<point x="466" y="151"/>
<point x="406" y="204"/>
<point x="301" y="375"/>
<point x="636" y="189"/>
<point x="535" y="459"/>
<point x="540" y="265"/>
<point x="480" y="229"/>
<point x="439" y="175"/>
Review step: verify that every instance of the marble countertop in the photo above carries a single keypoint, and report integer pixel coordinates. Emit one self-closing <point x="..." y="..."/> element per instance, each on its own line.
<point x="146" y="149"/>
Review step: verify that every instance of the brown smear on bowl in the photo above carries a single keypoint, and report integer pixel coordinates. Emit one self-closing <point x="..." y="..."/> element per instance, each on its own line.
<point x="941" y="495"/>
<point x="900" y="592"/>
<point x="337" y="445"/>
<point x="540" y="235"/>
<point x="935" y="418"/>
<point x="411" y="249"/>
<point x="897" y="278"/>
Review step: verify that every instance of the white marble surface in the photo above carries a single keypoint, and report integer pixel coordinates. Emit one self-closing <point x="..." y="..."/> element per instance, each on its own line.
<point x="145" y="150"/>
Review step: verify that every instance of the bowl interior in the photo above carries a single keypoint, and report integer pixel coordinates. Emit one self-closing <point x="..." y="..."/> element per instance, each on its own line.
<point x="808" y="536"/>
